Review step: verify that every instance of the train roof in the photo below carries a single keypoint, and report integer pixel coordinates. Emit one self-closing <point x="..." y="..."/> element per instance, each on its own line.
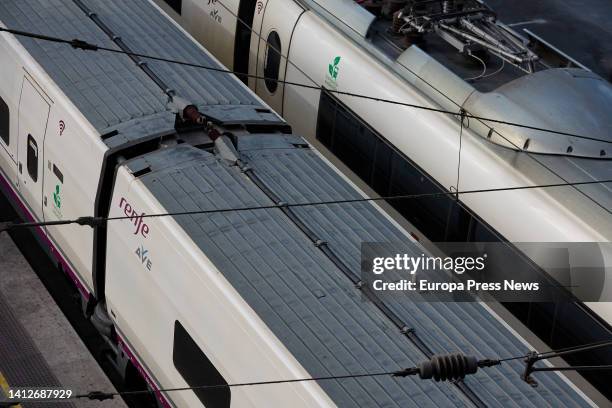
<point x="303" y="296"/>
<point x="296" y="289"/>
<point x="570" y="100"/>
<point x="110" y="90"/>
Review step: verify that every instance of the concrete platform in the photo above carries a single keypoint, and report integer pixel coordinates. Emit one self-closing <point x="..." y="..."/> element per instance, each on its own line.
<point x="38" y="346"/>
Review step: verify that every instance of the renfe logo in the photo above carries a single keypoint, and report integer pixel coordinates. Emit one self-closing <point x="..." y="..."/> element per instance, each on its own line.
<point x="136" y="219"/>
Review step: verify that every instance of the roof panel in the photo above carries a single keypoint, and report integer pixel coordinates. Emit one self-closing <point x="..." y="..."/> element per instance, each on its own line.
<point x="308" y="302"/>
<point x="110" y="89"/>
<point x="147" y="31"/>
<point x="298" y="292"/>
<point x="299" y="175"/>
<point x="85" y="77"/>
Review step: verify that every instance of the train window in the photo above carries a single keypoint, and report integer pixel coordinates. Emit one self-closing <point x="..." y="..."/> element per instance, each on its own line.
<point x="354" y="144"/>
<point x="32" y="158"/>
<point x="381" y="173"/>
<point x="326" y="122"/>
<point x="273" y="60"/>
<point x="176" y="5"/>
<point x="428" y="214"/>
<point x="4" y="122"/>
<point x="347" y="137"/>
<point x="459" y="223"/>
<point x="242" y="46"/>
<point x="481" y="232"/>
<point x="385" y="169"/>
<point x="389" y="172"/>
<point x="198" y="370"/>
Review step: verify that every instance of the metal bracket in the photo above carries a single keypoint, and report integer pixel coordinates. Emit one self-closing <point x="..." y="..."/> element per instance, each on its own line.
<point x="530" y="360"/>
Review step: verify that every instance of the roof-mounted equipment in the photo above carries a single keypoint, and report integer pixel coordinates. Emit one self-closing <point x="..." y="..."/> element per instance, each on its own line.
<point x="468" y="25"/>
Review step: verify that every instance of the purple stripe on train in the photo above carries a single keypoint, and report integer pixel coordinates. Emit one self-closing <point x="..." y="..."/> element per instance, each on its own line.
<point x="143" y="372"/>
<point x="15" y="197"/>
<point x="62" y="262"/>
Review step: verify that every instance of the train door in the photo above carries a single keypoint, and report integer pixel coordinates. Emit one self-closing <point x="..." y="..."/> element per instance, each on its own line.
<point x="8" y="149"/>
<point x="277" y="21"/>
<point x="242" y="44"/>
<point x="33" y="116"/>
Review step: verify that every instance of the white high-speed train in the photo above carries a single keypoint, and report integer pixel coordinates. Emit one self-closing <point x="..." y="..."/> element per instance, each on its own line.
<point x="412" y="57"/>
<point x="227" y="297"/>
<point x="221" y="298"/>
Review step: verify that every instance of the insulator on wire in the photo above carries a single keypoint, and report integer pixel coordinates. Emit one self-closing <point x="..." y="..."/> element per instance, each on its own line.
<point x="448" y="367"/>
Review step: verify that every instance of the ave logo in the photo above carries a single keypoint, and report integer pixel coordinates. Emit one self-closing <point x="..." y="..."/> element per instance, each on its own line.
<point x="143" y="256"/>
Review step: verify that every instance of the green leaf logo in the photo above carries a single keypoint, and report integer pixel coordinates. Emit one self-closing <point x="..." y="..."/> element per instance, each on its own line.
<point x="56" y="197"/>
<point x="333" y="68"/>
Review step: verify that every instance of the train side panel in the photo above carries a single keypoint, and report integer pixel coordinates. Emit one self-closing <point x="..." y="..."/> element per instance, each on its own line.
<point x="209" y="22"/>
<point x="10" y="89"/>
<point x="160" y="277"/>
<point x="52" y="163"/>
<point x="276" y="25"/>
<point x="339" y="65"/>
<point x="429" y="139"/>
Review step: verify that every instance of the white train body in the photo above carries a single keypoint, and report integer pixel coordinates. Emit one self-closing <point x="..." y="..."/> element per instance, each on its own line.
<point x="91" y="134"/>
<point x="207" y="301"/>
<point x="66" y="142"/>
<point x="431" y="140"/>
<point x="142" y="302"/>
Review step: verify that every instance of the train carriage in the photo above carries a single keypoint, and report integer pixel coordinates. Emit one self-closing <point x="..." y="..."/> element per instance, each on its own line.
<point x="388" y="49"/>
<point x="216" y="299"/>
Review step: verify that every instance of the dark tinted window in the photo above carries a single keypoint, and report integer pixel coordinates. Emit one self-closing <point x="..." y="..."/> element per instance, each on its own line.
<point x="246" y="12"/>
<point x="354" y="144"/>
<point x="479" y="232"/>
<point x="4" y="122"/>
<point x="32" y="158"/>
<point x="326" y="121"/>
<point x="198" y="370"/>
<point x="381" y="172"/>
<point x="273" y="60"/>
<point x="177" y="5"/>
<point x="390" y="173"/>
<point x="563" y="324"/>
<point x="382" y="167"/>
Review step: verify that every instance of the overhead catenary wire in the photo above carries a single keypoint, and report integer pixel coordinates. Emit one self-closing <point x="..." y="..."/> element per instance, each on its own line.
<point x="423" y="80"/>
<point x="80" y="44"/>
<point x="96" y="221"/>
<point x="461" y="124"/>
<point x="446" y="367"/>
<point x="86" y="46"/>
<point x="441" y="367"/>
